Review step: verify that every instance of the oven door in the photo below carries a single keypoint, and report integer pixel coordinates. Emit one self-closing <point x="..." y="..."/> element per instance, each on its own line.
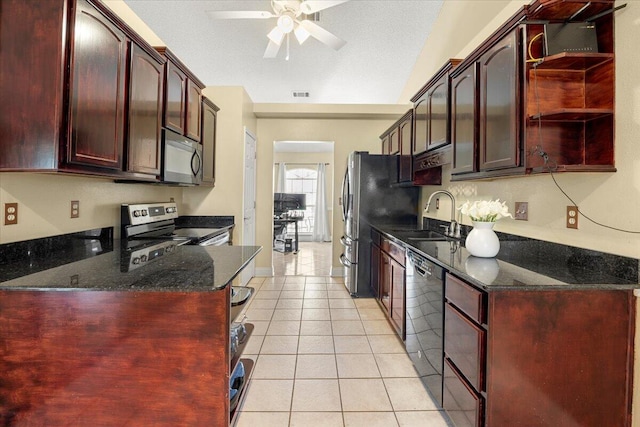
<point x="218" y="240"/>
<point x="181" y="159"/>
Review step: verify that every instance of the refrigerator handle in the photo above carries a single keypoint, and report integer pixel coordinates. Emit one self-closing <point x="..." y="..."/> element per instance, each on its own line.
<point x="345" y="194"/>
<point x="344" y="261"/>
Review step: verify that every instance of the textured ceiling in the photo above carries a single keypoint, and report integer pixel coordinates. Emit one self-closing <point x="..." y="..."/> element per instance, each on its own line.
<point x="384" y="39"/>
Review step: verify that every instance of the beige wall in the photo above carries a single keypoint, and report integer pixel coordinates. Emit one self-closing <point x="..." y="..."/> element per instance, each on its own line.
<point x="44" y="203"/>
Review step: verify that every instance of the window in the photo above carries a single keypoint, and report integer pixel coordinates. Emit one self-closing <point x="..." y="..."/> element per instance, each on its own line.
<point x="303" y="181"/>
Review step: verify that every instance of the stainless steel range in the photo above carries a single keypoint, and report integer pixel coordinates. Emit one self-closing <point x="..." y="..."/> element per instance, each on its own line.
<point x="156" y="221"/>
<point x="148" y="231"/>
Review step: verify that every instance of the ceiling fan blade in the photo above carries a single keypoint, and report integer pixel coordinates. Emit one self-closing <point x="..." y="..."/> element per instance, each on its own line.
<point x="272" y="50"/>
<point x="312" y="6"/>
<point x="239" y="14"/>
<point x="323" y="35"/>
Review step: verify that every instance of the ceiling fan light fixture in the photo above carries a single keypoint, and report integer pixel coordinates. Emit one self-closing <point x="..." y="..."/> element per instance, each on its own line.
<point x="276" y="35"/>
<point x="301" y="34"/>
<point x="286" y="23"/>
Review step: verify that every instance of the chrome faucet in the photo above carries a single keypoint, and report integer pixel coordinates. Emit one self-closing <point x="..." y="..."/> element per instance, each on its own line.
<point x="454" y="227"/>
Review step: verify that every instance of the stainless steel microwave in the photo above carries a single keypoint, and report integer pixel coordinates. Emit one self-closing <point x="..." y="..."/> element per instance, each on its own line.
<point x="181" y="159"/>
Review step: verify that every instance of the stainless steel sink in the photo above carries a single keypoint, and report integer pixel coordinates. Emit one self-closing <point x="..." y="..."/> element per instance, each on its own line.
<point x="440" y="238"/>
<point x="421" y="234"/>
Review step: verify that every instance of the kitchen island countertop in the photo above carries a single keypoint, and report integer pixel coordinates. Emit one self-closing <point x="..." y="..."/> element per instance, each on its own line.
<point x="184" y="269"/>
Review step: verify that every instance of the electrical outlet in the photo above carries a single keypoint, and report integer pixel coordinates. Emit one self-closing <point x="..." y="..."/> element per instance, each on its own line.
<point x="10" y="213"/>
<point x="522" y="211"/>
<point x="75" y="209"/>
<point x="572" y="217"/>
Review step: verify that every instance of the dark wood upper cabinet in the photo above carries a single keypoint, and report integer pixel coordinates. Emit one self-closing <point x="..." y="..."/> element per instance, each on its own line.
<point x="386" y="146"/>
<point x="420" y="126"/>
<point x="64" y="109"/>
<point x="183" y="97"/>
<point x="499" y="105"/>
<point x="175" y="105"/>
<point x="194" y="110"/>
<point x="146" y="89"/>
<point x="405" y="132"/>
<point x="398" y="141"/>
<point x="464" y="119"/>
<point x="431" y="111"/>
<point x="97" y="100"/>
<point x="536" y="112"/>
<point x="394" y="141"/>
<point x="86" y="93"/>
<point x="209" y="123"/>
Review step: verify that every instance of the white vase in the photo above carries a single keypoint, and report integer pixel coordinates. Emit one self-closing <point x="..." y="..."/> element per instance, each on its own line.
<point x="482" y="241"/>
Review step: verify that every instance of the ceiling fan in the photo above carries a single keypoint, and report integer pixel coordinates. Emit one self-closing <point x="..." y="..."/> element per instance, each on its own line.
<point x="291" y="17"/>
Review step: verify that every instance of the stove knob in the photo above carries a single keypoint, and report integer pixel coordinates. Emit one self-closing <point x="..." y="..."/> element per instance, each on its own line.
<point x="143" y="258"/>
<point x="136" y="213"/>
<point x="144" y="212"/>
<point x="136" y="260"/>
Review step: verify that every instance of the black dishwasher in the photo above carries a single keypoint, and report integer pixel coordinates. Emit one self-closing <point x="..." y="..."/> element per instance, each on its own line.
<point x="425" y="305"/>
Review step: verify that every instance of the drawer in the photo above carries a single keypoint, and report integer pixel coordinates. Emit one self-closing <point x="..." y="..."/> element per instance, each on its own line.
<point x="463" y="405"/>
<point x="396" y="251"/>
<point x="467" y="298"/>
<point x="465" y="345"/>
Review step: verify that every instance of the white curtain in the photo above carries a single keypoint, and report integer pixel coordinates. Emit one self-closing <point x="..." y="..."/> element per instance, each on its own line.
<point x="321" y="221"/>
<point x="282" y="178"/>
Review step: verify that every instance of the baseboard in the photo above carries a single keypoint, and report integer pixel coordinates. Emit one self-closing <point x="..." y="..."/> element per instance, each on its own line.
<point x="337" y="271"/>
<point x="264" y="272"/>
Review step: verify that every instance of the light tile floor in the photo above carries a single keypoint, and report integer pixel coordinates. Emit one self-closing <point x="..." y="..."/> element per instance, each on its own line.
<point x="325" y="359"/>
<point x="312" y="259"/>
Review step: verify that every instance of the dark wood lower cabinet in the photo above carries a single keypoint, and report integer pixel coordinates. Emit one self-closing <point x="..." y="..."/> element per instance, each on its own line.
<point x="94" y="358"/>
<point x="538" y="357"/>
<point x="464" y="406"/>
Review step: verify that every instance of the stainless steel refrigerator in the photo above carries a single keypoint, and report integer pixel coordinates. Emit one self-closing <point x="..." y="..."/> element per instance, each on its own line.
<point x="369" y="197"/>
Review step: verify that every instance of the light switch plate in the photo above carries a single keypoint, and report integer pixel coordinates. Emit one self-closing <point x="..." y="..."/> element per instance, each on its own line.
<point x="522" y="211"/>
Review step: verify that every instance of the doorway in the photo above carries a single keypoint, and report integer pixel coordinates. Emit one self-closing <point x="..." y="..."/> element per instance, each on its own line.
<point x="249" y="202"/>
<point x="303" y="207"/>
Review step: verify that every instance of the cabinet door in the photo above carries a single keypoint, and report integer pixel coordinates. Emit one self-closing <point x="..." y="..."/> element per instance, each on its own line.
<point x="499" y="136"/>
<point x="97" y="100"/>
<point x="209" y="121"/>
<point x="405" y="165"/>
<point x="463" y="120"/>
<point x="398" y="297"/>
<point x="386" y="147"/>
<point x="146" y="83"/>
<point x="438" y="100"/>
<point x="420" y="126"/>
<point x="375" y="270"/>
<point x="175" y="100"/>
<point x="394" y="141"/>
<point x="385" y="281"/>
<point x="194" y="103"/>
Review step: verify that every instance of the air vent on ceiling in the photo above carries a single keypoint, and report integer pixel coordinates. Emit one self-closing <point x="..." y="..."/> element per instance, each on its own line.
<point x="300" y="94"/>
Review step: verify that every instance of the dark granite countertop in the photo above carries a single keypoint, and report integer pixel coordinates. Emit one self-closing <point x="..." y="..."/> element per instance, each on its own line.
<point x="183" y="269"/>
<point x="524" y="263"/>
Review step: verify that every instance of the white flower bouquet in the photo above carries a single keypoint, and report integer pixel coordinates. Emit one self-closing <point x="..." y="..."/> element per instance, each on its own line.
<point x="485" y="210"/>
